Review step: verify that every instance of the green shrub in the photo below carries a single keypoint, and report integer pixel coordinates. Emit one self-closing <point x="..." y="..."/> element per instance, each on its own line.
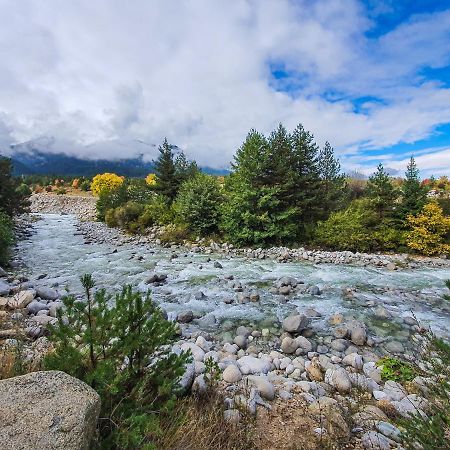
<point x="128" y="214"/>
<point x="61" y="191"/>
<point x="122" y="352"/>
<point x="175" y="234"/>
<point x="23" y="190"/>
<point x="198" y="204"/>
<point x="110" y="218"/>
<point x="85" y="185"/>
<point x="157" y="212"/>
<point x="110" y="199"/>
<point x="395" y="369"/>
<point x="348" y="229"/>
<point x="6" y="237"/>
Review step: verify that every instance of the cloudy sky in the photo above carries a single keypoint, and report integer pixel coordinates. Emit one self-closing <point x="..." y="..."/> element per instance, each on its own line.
<point x="108" y="78"/>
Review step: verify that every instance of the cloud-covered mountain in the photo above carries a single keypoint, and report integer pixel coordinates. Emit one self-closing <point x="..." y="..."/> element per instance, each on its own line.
<point x="41" y="156"/>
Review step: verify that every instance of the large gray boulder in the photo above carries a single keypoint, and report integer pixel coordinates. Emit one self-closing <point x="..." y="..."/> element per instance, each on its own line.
<point x="47" y="410"/>
<point x="47" y="293"/>
<point x="295" y="324"/>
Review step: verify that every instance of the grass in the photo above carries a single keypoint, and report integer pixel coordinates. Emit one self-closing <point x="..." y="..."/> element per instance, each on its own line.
<point x="198" y="424"/>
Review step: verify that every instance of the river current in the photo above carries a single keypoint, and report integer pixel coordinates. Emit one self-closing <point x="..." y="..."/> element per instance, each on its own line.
<point x="57" y="249"/>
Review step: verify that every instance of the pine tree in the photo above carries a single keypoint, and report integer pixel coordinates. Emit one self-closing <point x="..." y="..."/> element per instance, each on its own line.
<point x="414" y="195"/>
<point x="333" y="182"/>
<point x="254" y="212"/>
<point x="166" y="179"/>
<point x="305" y="183"/>
<point x="382" y="193"/>
<point x="185" y="169"/>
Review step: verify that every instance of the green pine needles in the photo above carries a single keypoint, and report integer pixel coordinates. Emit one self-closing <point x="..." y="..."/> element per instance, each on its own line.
<point x="119" y="345"/>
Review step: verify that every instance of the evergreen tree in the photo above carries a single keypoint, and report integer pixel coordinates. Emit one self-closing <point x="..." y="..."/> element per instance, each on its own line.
<point x="414" y="195"/>
<point x="166" y="179"/>
<point x="13" y="200"/>
<point x="333" y="182"/>
<point x="184" y="168"/>
<point x="382" y="193"/>
<point x="305" y="183"/>
<point x="253" y="212"/>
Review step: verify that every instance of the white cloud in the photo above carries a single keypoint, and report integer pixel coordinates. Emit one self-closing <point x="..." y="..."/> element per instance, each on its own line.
<point x="97" y="76"/>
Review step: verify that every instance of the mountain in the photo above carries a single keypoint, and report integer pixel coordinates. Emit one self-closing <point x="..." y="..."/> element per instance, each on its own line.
<point x="34" y="158"/>
<point x="41" y="163"/>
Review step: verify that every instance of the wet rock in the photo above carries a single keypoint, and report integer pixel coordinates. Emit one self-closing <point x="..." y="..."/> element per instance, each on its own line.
<point x="336" y="319"/>
<point x="4" y="288"/>
<point x="217" y="265"/>
<point x="314" y="290"/>
<point x="358" y="334"/>
<point x="185" y="316"/>
<point x="243" y="331"/>
<point x="394" y="347"/>
<point x="296" y="323"/>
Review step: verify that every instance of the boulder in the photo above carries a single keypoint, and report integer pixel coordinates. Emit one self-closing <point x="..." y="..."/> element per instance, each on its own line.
<point x="185" y="316"/>
<point x="4" y="288"/>
<point x="21" y="299"/>
<point x="47" y="410"/>
<point x="197" y="353"/>
<point x="288" y="345"/>
<point x="339" y="379"/>
<point x="371" y="440"/>
<point x="296" y="323"/>
<point x="34" y="307"/>
<point x="47" y="293"/>
<point x="264" y="386"/>
<point x="232" y="374"/>
<point x="253" y="364"/>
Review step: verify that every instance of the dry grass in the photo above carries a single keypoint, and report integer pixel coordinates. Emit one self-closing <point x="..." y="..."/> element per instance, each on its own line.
<point x="199" y="424"/>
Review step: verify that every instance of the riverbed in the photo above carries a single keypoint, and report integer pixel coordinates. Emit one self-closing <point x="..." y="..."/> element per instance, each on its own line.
<point x="383" y="299"/>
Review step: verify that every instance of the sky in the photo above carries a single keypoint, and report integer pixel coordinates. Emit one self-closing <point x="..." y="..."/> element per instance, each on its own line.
<point x="111" y="79"/>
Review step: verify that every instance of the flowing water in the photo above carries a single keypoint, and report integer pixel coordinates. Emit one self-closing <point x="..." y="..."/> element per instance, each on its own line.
<point x="59" y="250"/>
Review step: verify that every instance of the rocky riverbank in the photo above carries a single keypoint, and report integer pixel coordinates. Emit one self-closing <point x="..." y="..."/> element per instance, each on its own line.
<point x="84" y="209"/>
<point x="333" y="378"/>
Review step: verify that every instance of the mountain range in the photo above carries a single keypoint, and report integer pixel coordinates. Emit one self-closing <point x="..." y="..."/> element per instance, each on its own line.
<point x="33" y="158"/>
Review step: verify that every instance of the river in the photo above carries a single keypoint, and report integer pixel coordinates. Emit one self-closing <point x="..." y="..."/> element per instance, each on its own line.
<point x="380" y="297"/>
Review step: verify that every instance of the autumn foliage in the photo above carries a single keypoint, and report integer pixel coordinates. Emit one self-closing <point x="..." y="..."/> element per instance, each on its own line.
<point x="429" y="230"/>
<point x="105" y="182"/>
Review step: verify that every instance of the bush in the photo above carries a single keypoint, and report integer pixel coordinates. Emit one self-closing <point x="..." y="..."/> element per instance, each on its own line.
<point x="157" y="212"/>
<point x="429" y="231"/>
<point x="23" y="190"/>
<point x="110" y="199"/>
<point x="61" y="191"/>
<point x="85" y="186"/>
<point x="348" y="229"/>
<point x="6" y="237"/>
<point x="174" y="234"/>
<point x="126" y="216"/>
<point x="122" y="352"/>
<point x="105" y="182"/>
<point x="198" y="204"/>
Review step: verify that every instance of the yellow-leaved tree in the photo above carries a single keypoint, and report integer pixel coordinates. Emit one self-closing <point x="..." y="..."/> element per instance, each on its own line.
<point x="105" y="182"/>
<point x="150" y="179"/>
<point x="429" y="230"/>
